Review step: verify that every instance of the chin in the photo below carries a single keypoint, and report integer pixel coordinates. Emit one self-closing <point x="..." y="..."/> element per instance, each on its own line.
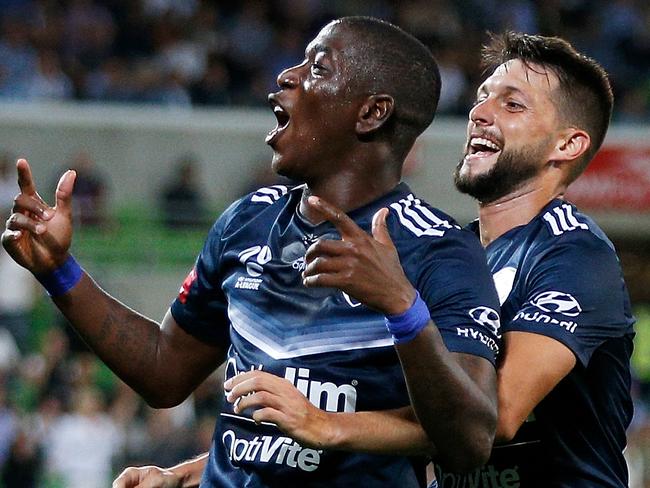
<point x="281" y="166"/>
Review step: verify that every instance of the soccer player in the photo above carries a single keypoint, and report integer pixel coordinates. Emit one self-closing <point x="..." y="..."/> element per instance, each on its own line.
<point x="563" y="372"/>
<point x="347" y="116"/>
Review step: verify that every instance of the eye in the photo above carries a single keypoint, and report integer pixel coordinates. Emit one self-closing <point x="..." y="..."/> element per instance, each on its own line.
<point x="514" y="106"/>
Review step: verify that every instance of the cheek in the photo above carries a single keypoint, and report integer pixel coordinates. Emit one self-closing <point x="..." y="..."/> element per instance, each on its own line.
<point x="524" y="130"/>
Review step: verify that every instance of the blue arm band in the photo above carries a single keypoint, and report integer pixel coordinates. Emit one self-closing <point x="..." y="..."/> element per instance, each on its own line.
<point x="405" y="326"/>
<point x="62" y="279"/>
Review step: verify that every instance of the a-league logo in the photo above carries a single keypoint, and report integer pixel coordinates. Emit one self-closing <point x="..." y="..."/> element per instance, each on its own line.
<point x="255" y="258"/>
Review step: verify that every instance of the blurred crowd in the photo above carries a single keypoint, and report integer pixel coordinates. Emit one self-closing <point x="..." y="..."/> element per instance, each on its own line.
<point x="215" y="52"/>
<point x="67" y="422"/>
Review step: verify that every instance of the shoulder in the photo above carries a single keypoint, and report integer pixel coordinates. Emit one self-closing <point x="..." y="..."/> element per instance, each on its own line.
<point x="562" y="221"/>
<point x="577" y="268"/>
<point x="568" y="235"/>
<point x="268" y="195"/>
<point x="416" y="226"/>
<point x="260" y="204"/>
<point x="413" y="217"/>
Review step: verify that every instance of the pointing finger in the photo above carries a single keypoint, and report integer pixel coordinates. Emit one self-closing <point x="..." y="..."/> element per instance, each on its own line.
<point x="25" y="179"/>
<point x="344" y="224"/>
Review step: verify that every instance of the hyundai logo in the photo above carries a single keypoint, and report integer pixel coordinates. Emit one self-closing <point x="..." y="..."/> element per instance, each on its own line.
<point x="487" y="317"/>
<point x="557" y="302"/>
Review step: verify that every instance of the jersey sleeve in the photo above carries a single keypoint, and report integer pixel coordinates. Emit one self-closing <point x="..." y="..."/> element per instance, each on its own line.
<point x="201" y="307"/>
<point x="576" y="295"/>
<point x="454" y="281"/>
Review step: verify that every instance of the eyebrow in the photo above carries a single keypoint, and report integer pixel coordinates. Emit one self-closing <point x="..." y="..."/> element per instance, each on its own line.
<point x="318" y="48"/>
<point x="508" y="89"/>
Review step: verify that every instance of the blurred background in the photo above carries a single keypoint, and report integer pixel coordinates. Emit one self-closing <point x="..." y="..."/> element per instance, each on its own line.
<point x="160" y="106"/>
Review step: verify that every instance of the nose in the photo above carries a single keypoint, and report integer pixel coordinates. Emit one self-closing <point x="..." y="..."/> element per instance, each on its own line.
<point x="288" y="78"/>
<point x="481" y="113"/>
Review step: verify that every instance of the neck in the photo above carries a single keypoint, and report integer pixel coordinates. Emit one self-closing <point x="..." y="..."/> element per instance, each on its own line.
<point x="515" y="209"/>
<point x="350" y="189"/>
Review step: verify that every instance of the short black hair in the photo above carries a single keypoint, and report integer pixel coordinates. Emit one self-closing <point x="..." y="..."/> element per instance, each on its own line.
<point x="391" y="61"/>
<point x="584" y="97"/>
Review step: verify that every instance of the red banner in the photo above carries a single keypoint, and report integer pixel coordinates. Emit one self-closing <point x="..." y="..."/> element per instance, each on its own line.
<point x="617" y="179"/>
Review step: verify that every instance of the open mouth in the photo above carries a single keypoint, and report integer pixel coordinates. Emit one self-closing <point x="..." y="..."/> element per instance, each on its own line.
<point x="481" y="147"/>
<point x="282" y="117"/>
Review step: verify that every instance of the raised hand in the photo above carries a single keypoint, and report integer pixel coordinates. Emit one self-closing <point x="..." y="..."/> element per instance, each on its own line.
<point x="36" y="235"/>
<point x="147" y="477"/>
<point x="276" y="400"/>
<point x="363" y="266"/>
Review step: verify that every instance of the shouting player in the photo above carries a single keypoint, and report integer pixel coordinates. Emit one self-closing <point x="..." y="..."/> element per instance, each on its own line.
<point x="347" y="116"/>
<point x="563" y="374"/>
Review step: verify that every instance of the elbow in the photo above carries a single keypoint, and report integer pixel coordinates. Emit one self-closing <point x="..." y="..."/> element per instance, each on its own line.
<point x="506" y="431"/>
<point x="508" y="425"/>
<point x="471" y="458"/>
<point x="164" y="397"/>
<point x="471" y="454"/>
<point x="157" y="402"/>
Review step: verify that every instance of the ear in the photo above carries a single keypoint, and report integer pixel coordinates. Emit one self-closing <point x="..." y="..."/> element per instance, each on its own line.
<point x="374" y="113"/>
<point x="571" y="144"/>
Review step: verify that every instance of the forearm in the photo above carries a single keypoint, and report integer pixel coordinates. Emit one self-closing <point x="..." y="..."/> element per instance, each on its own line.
<point x="190" y="472"/>
<point x="380" y="432"/>
<point x="457" y="414"/>
<point x="129" y="343"/>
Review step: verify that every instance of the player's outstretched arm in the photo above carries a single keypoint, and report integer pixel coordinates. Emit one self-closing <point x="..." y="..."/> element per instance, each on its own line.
<point x="162" y="362"/>
<point x="183" y="475"/>
<point x="453" y="395"/>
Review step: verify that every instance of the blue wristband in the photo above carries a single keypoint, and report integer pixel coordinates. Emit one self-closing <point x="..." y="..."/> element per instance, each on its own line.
<point x="62" y="279"/>
<point x="405" y="326"/>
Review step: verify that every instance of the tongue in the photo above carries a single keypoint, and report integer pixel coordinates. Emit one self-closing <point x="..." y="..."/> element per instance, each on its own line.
<point x="484" y="153"/>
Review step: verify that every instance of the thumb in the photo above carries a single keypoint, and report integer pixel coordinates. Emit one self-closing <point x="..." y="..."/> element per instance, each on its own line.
<point x="64" y="191"/>
<point x="380" y="229"/>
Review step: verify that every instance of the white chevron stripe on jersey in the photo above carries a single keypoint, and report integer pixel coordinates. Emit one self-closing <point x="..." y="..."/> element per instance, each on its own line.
<point x="562" y="220"/>
<point x="269" y="194"/>
<point x="285" y="344"/>
<point x="418" y="219"/>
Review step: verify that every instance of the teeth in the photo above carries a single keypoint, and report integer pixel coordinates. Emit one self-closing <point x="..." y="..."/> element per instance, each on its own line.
<point x="277" y="109"/>
<point x="484" y="142"/>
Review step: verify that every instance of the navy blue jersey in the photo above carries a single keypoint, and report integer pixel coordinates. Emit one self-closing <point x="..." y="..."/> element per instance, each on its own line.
<point x="559" y="276"/>
<point x="246" y="292"/>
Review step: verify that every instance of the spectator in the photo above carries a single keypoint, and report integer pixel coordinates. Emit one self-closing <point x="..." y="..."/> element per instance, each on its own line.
<point x="214" y="86"/>
<point x="80" y="446"/>
<point x="89" y="191"/>
<point x="17" y="58"/>
<point x="182" y="203"/>
<point x="49" y="81"/>
<point x="8" y="423"/>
